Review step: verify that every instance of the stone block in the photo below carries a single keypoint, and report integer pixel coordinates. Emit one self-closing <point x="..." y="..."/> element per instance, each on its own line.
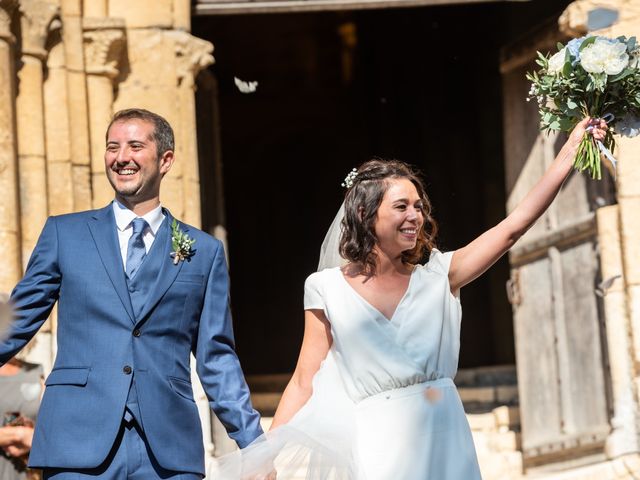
<point x="633" y="294"/>
<point x="29" y="106"/>
<point x="72" y="39"/>
<point x="507" y="417"/>
<point x="97" y="8"/>
<point x="630" y="229"/>
<point x="60" y="188"/>
<point x="171" y="195"/>
<point x="182" y="15"/>
<point x="11" y="270"/>
<point x="56" y="115"/>
<point x="507" y="394"/>
<point x="152" y="52"/>
<point x="81" y="187"/>
<point x="481" y="421"/>
<point x="143" y="14"/>
<point x="477" y="394"/>
<point x="101" y="189"/>
<point x="609" y="245"/>
<point x="192" y="203"/>
<point x="71" y="8"/>
<point x="628" y="180"/>
<point x="505" y="441"/>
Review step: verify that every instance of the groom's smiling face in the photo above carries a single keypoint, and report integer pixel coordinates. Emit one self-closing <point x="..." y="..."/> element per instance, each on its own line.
<point x="132" y="163"/>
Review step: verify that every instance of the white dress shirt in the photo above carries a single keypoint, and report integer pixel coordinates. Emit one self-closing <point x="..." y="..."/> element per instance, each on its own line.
<point x="124" y="217"/>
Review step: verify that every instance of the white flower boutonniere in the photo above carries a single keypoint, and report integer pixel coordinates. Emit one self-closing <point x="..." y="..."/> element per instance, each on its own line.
<point x="181" y="244"/>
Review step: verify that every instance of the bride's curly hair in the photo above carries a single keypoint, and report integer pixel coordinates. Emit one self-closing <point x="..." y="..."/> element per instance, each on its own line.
<point x="361" y="203"/>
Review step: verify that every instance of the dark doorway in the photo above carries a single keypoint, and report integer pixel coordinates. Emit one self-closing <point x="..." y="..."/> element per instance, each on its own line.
<point x="335" y="89"/>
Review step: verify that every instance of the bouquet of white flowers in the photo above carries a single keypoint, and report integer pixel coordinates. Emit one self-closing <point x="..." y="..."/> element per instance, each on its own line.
<point x="590" y="76"/>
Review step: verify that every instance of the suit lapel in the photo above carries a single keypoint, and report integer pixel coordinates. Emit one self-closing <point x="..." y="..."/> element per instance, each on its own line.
<point x="168" y="271"/>
<point x="103" y="230"/>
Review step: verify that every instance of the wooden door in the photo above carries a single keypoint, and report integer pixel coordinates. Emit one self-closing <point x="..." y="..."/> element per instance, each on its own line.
<point x="558" y="317"/>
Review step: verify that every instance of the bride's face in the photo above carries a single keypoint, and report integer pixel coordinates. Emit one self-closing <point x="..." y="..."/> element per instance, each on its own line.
<point x="399" y="218"/>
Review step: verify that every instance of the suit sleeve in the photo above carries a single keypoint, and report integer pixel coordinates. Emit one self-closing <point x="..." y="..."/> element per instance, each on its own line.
<point x="217" y="363"/>
<point x="34" y="296"/>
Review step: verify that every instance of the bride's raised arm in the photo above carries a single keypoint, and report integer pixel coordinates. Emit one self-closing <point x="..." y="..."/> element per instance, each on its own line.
<point x="472" y="260"/>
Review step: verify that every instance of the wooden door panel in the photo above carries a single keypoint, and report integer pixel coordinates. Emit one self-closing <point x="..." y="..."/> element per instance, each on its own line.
<point x="537" y="362"/>
<point x="584" y="380"/>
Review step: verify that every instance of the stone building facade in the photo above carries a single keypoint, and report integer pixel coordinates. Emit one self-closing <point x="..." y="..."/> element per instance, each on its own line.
<point x="67" y="65"/>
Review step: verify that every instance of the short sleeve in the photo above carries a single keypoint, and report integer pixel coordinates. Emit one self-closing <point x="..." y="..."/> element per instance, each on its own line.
<point x="312" y="297"/>
<point x="440" y="262"/>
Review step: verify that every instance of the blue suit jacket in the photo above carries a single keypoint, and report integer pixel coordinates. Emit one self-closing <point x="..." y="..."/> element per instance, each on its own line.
<point x="77" y="262"/>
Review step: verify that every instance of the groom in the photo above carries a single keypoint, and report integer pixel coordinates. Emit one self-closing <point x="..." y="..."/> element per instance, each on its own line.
<point x="131" y="308"/>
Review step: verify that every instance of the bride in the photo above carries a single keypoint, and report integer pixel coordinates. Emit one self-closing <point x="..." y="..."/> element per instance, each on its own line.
<point x="372" y="395"/>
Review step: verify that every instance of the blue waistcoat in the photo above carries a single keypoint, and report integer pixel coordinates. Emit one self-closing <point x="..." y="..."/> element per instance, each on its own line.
<point x="140" y="288"/>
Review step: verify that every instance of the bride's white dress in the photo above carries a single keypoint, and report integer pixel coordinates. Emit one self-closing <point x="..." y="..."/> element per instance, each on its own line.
<point x="384" y="406"/>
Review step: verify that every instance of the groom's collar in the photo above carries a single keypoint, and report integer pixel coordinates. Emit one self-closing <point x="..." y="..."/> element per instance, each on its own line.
<point x="124" y="216"/>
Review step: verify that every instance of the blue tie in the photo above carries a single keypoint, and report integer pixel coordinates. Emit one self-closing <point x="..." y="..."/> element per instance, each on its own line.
<point x="136" y="251"/>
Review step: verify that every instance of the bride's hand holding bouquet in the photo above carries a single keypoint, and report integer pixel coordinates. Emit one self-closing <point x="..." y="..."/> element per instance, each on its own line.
<point x="594" y="77"/>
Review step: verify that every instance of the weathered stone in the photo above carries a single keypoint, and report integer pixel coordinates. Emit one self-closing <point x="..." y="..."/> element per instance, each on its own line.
<point x="71" y="8"/>
<point x="81" y="175"/>
<point x="630" y="229"/>
<point x="104" y="41"/>
<point x="7" y="7"/>
<point x="624" y="435"/>
<point x="574" y="20"/>
<point x="72" y="38"/>
<point x="95" y="8"/>
<point x="628" y="169"/>
<point x="31" y="154"/>
<point x="35" y="21"/>
<point x="172" y="195"/>
<point x="182" y="15"/>
<point x="141" y="14"/>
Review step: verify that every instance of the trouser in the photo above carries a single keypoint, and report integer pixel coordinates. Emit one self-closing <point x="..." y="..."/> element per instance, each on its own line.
<point x="130" y="459"/>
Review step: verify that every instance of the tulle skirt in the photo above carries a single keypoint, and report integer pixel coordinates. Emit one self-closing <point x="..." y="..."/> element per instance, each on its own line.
<point x="418" y="432"/>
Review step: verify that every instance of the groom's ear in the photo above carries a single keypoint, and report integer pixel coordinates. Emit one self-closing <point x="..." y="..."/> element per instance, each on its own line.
<point x="166" y="161"/>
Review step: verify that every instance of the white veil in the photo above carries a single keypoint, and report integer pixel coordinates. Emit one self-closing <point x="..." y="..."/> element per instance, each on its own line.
<point x="330" y="249"/>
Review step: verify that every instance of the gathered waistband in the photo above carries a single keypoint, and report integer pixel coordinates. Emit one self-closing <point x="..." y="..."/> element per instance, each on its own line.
<point x="408" y="390"/>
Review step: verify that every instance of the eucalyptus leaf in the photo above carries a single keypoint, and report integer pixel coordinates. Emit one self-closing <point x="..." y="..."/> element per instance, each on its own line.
<point x="631" y="44"/>
<point x="587" y="41"/>
<point x="623" y="74"/>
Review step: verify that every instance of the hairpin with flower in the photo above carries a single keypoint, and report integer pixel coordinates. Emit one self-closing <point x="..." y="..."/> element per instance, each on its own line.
<point x="350" y="178"/>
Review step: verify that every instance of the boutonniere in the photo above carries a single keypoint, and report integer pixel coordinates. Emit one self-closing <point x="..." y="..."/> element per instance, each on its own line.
<point x="181" y="244"/>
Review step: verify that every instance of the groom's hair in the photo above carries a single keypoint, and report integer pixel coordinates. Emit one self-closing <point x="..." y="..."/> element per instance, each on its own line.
<point x="162" y="132"/>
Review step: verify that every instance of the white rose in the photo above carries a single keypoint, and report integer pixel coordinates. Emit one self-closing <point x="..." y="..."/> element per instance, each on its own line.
<point x="604" y="55"/>
<point x="557" y="61"/>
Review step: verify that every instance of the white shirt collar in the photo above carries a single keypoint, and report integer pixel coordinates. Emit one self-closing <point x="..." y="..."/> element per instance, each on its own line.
<point x="124" y="216"/>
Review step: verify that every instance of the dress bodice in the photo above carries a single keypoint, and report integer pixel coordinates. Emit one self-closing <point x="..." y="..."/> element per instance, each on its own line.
<point x="420" y="342"/>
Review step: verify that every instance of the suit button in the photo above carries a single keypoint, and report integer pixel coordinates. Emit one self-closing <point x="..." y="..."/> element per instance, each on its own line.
<point x="127" y="370"/>
<point x="137" y="333"/>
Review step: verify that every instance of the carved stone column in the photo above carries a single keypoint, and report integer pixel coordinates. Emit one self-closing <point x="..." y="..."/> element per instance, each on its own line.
<point x="104" y="40"/>
<point x="36" y="15"/>
<point x="57" y="136"/>
<point x="77" y="103"/>
<point x="9" y="207"/>
<point x="192" y="54"/>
